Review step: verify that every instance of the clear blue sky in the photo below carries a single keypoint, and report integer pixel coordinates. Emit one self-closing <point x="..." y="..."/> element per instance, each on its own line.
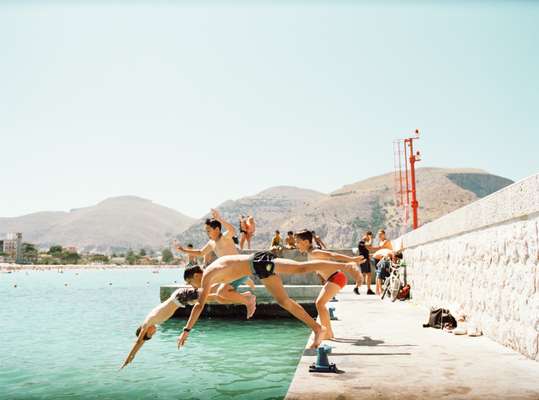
<point x="199" y="102"/>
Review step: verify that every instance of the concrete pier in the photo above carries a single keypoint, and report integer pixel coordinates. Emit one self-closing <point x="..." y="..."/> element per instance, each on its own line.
<point x="266" y="306"/>
<point x="385" y="353"/>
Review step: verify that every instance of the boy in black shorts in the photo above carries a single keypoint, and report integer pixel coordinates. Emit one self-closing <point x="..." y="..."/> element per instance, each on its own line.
<point x="266" y="267"/>
<point x="365" y="268"/>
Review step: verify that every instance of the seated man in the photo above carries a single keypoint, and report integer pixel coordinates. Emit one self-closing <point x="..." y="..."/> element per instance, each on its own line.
<point x="266" y="267"/>
<point x="180" y="298"/>
<point x="290" y="241"/>
<point x="276" y="243"/>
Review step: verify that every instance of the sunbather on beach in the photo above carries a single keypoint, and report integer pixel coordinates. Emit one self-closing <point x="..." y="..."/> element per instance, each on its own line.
<point x="180" y="298"/>
<point x="334" y="281"/>
<point x="265" y="266"/>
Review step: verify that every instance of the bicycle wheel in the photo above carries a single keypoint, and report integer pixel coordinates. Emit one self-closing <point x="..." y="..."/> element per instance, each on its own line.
<point x="396" y="287"/>
<point x="385" y="288"/>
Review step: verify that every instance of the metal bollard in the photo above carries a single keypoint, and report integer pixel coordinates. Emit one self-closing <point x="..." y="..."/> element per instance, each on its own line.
<point x="332" y="315"/>
<point x="322" y="363"/>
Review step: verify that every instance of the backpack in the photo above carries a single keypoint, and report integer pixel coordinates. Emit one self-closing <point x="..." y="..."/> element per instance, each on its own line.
<point x="404" y="293"/>
<point x="438" y="317"/>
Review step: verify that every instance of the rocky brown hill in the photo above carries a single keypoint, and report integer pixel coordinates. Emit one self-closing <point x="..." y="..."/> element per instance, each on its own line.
<point x="271" y="208"/>
<point x="342" y="216"/>
<point x="114" y="224"/>
<point x="339" y="217"/>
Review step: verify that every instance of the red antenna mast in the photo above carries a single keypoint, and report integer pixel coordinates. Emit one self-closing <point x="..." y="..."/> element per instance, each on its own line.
<point x="404" y="161"/>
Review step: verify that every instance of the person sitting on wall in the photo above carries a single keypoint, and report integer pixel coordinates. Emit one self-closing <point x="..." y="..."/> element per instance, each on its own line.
<point x="276" y="243"/>
<point x="251" y="228"/>
<point x="290" y="241"/>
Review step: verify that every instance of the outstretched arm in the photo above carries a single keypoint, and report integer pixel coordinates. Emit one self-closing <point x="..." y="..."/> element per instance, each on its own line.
<point x="159" y="314"/>
<point x="193" y="252"/>
<point x="195" y="312"/>
<point x="231" y="231"/>
<point x="329" y="255"/>
<point x="136" y="347"/>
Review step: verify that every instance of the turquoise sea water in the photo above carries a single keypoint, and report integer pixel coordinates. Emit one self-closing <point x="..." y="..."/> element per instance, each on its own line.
<point x="67" y="342"/>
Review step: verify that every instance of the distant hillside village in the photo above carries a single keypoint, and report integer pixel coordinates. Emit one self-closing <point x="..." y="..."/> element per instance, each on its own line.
<point x="13" y="249"/>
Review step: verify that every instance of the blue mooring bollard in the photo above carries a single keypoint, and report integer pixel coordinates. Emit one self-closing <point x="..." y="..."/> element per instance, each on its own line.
<point x="332" y="315"/>
<point x="322" y="363"/>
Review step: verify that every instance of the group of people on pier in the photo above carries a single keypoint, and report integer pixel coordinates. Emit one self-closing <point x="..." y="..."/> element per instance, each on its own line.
<point x="220" y="280"/>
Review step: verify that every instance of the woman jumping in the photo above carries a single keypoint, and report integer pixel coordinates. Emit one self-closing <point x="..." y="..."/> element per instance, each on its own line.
<point x="333" y="282"/>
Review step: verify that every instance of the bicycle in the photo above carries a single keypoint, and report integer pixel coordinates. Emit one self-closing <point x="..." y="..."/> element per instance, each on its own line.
<point x="394" y="282"/>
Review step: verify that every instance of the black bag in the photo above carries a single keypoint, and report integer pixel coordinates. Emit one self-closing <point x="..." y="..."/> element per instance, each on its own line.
<point x="439" y="317"/>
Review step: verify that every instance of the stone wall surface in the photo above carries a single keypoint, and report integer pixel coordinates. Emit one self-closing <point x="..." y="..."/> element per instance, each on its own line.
<point x="484" y="259"/>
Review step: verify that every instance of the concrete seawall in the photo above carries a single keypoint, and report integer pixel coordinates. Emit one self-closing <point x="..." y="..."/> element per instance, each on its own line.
<point x="266" y="306"/>
<point x="484" y="260"/>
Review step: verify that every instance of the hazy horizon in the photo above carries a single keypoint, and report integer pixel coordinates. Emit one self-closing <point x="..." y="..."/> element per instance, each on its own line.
<point x="194" y="103"/>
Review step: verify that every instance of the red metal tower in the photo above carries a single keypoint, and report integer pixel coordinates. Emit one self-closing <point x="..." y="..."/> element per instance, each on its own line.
<point x="404" y="178"/>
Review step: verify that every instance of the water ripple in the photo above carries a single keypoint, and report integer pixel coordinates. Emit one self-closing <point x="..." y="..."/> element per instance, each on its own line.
<point x="67" y="342"/>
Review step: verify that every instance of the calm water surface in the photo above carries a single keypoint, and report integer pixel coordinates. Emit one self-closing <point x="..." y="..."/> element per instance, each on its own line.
<point x="67" y="342"/>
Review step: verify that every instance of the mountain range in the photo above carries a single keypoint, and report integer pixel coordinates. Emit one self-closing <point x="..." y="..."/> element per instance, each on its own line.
<point x="339" y="217"/>
<point x="342" y="216"/>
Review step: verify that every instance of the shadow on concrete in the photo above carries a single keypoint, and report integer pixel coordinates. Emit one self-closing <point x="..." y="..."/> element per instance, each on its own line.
<point x="312" y="353"/>
<point x="370" y="354"/>
<point x="368" y="341"/>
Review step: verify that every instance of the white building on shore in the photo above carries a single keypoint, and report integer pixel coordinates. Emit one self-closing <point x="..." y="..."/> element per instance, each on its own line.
<point x="11" y="245"/>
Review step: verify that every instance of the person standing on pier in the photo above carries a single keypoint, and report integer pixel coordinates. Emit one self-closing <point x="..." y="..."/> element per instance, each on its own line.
<point x="364" y="246"/>
<point x="243" y="231"/>
<point x="318" y="241"/>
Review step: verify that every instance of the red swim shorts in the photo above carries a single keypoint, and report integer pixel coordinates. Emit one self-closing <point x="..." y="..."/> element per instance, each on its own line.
<point x="338" y="278"/>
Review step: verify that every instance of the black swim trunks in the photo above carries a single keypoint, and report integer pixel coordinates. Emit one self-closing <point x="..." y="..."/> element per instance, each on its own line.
<point x="366" y="267"/>
<point x="262" y="264"/>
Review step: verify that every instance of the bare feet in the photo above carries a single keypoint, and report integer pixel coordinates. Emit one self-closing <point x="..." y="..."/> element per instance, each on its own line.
<point x="319" y="332"/>
<point x="251" y="306"/>
<point x="328" y="335"/>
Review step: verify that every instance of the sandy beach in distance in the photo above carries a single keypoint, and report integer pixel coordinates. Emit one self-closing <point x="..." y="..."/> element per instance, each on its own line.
<point x="6" y="267"/>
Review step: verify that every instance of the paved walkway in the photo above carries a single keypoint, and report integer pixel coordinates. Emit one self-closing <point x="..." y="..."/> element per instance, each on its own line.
<point x="385" y="353"/>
